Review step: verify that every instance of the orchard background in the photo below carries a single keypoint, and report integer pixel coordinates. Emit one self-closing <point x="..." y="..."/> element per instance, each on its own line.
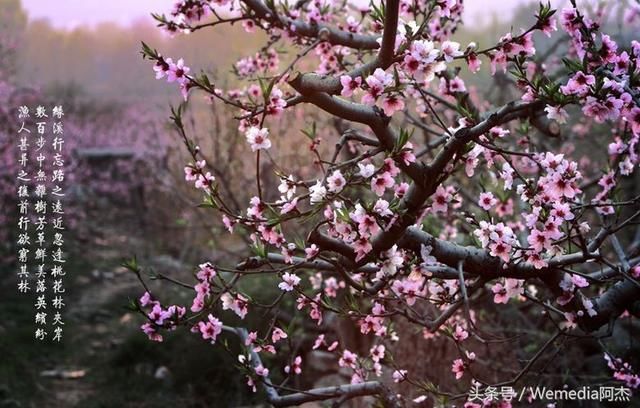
<point x="333" y="204"/>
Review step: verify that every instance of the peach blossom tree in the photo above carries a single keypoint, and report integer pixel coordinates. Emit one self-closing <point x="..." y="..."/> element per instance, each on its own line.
<point x="433" y="205"/>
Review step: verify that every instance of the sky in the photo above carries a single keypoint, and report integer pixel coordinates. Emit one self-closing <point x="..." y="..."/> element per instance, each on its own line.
<point x="123" y="12"/>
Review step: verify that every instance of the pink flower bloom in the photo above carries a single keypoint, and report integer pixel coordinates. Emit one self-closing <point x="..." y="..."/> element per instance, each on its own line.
<point x="392" y="104"/>
<point x="511" y="288"/>
<point x="289" y="206"/>
<point x="487" y="201"/>
<point x="151" y="332"/>
<point x="557" y="113"/>
<point x="349" y="85"/>
<point x="331" y="286"/>
<point x="211" y="329"/>
<point x="536" y="260"/>
<point x="440" y="200"/>
<point x="262" y="371"/>
<point x="319" y="342"/>
<point x="161" y="67"/>
<point x="561" y="187"/>
<point x="381" y="182"/>
<point x="366" y="170"/>
<point x="401" y="189"/>
<point x="348" y="359"/>
<point x="317" y="192"/>
<point x="295" y="367"/>
<point x="362" y="247"/>
<point x="158" y="315"/>
<point x="538" y="240"/>
<point x="381" y="208"/>
<point x="258" y="138"/>
<point x="198" y="304"/>
<point x="562" y="211"/>
<point x="249" y="26"/>
<point x="399" y="375"/>
<point x="458" y="368"/>
<point x="507" y="176"/>
<point x="206" y="272"/>
<point x="450" y="50"/>
<point x="146" y="299"/>
<point x="367" y="225"/>
<point x="177" y="72"/>
<point x="377" y="352"/>
<point x="579" y="281"/>
<point x="578" y="84"/>
<point x="203" y="182"/>
<point x="602" y="110"/>
<point x="474" y="62"/>
<point x="336" y="182"/>
<point x="278" y="334"/>
<point x="190" y="174"/>
<point x="548" y="26"/>
<point x="460" y="334"/>
<point x="501" y="250"/>
<point x="289" y="281"/>
<point x="228" y="223"/>
<point x="312" y="251"/>
<point x="237" y="304"/>
<point x="500" y="293"/>
<point x="498" y="59"/>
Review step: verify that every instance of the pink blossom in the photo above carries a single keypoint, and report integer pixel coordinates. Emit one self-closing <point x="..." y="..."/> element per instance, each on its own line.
<point x="450" y="50"/>
<point x="146" y="299"/>
<point x="317" y="192"/>
<point x="210" y="329"/>
<point x="237" y="304"/>
<point x="289" y="281"/>
<point x="311" y="251"/>
<point x="440" y="200"/>
<point x="162" y="66"/>
<point x="381" y="208"/>
<point x="204" y="181"/>
<point x="336" y="182"/>
<point x="538" y="240"/>
<point x="556" y="113"/>
<point x="258" y="138"/>
<point x="474" y="62"/>
<point x="348" y="359"/>
<point x="578" y="84"/>
<point x="392" y="104"/>
<point x="399" y="375"/>
<point x="487" y="201"/>
<point x="401" y="189"/>
<point x="295" y="367"/>
<point x="151" y="332"/>
<point x="362" y="247"/>
<point x="381" y="182"/>
<point x="460" y="334"/>
<point x="278" y="334"/>
<point x="262" y="371"/>
<point x="366" y="169"/>
<point x="349" y="85"/>
<point x="206" y="272"/>
<point x="501" y="250"/>
<point x="177" y="72"/>
<point x="458" y="368"/>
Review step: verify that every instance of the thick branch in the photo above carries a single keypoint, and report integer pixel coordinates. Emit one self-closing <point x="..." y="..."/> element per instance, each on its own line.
<point x="330" y="84"/>
<point x="302" y="29"/>
<point x="320" y="394"/>
<point x="624" y="295"/>
<point x="478" y="261"/>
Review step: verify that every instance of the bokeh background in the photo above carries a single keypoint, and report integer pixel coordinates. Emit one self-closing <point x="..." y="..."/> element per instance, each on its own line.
<point x="128" y="198"/>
